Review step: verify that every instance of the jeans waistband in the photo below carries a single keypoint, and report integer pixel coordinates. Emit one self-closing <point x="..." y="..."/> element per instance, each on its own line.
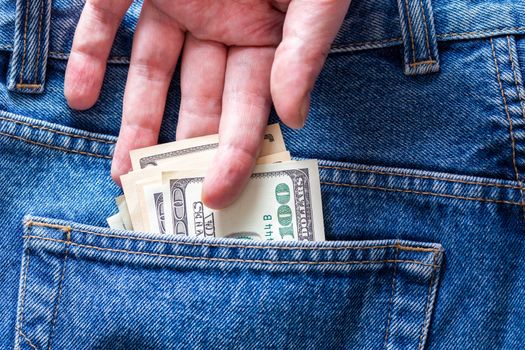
<point x="37" y="29"/>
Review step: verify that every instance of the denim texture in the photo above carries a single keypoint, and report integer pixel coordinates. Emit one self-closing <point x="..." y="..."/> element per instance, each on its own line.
<point x="31" y="44"/>
<point x="422" y="175"/>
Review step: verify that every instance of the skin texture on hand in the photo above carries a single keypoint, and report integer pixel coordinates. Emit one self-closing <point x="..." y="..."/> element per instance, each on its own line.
<point x="237" y="57"/>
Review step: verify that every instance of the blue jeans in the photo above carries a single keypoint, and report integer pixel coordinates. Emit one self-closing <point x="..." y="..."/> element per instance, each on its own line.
<point x="418" y="122"/>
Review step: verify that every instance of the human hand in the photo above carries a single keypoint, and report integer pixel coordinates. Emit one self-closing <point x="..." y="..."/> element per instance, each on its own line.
<point x="237" y="57"/>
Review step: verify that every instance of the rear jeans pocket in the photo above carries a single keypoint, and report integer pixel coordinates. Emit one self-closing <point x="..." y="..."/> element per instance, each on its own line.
<point x="84" y="287"/>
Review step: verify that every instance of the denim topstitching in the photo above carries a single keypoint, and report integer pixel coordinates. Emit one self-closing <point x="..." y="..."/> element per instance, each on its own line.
<point x="509" y="119"/>
<point x="59" y="293"/>
<point x="25" y="45"/>
<point x="256" y="261"/>
<point x="427" y="40"/>
<point x="66" y="229"/>
<point x="19" y="326"/>
<point x="428" y="313"/>
<point x="390" y="302"/>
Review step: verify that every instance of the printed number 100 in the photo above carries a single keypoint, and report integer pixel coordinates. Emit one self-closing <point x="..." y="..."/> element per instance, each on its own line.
<point x="284" y="212"/>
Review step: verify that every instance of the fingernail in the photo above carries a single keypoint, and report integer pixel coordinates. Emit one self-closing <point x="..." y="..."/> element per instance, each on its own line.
<point x="305" y="108"/>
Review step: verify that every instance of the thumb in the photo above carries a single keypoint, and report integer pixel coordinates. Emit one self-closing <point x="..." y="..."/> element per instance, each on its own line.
<point x="309" y="30"/>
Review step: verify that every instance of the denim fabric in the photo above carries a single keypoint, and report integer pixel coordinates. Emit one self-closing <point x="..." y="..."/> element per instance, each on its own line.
<point x="31" y="44"/>
<point x="422" y="181"/>
<point x="419" y="36"/>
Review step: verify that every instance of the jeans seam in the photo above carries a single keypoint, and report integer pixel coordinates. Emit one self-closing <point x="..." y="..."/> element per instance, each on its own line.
<point x="520" y="98"/>
<point x="60" y="286"/>
<point x="39" y="43"/>
<point x="427" y="40"/>
<point x="397" y="246"/>
<point x="25" y="43"/>
<point x="409" y="20"/>
<point x="427" y="177"/>
<point x="420" y="63"/>
<point x="390" y="303"/>
<point x="518" y="90"/>
<point x="27" y="340"/>
<point x="422" y="336"/>
<point x="511" y="131"/>
<point x="22" y="302"/>
<point x="55" y="131"/>
<point x="55" y="147"/>
<point x="256" y="261"/>
<point x="444" y="195"/>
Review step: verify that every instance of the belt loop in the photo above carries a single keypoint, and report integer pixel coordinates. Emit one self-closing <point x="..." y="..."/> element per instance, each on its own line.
<point x="419" y="37"/>
<point x="27" y="68"/>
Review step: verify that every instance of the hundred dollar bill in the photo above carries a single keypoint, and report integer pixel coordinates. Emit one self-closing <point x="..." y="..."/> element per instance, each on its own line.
<point x="282" y="201"/>
<point x="150" y="194"/>
<point x="160" y="154"/>
<point x="124" y="212"/>
<point x="115" y="222"/>
<point x="179" y="155"/>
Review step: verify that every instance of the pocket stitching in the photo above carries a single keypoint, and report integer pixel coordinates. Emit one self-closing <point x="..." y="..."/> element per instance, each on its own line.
<point x="56" y="131"/>
<point x="390" y="307"/>
<point x="27" y="340"/>
<point x="426" y="177"/>
<point x="59" y="294"/>
<point x="55" y="147"/>
<point x="22" y="306"/>
<point x="272" y="262"/>
<point x="219" y="245"/>
<point x="509" y="119"/>
<point x="426" y="320"/>
<point x="444" y="195"/>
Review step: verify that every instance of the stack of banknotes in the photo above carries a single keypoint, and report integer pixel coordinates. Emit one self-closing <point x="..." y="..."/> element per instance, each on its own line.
<point x="162" y="194"/>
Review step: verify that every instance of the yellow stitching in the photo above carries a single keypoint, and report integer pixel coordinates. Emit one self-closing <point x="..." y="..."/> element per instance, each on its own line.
<point x="520" y="96"/>
<point x="417" y="176"/>
<point x="390" y="305"/>
<point x="426" y="30"/>
<point x="23" y="296"/>
<point x="511" y="131"/>
<point x="420" y="192"/>
<point x="443" y="35"/>
<point x="28" y="86"/>
<point x="55" y="147"/>
<point x="44" y="224"/>
<point x="219" y="245"/>
<point x="415" y="64"/>
<point x="491" y="31"/>
<point x="523" y="113"/>
<point x="283" y="262"/>
<point x="55" y="131"/>
<point x="420" y="346"/>
<point x="39" y="35"/>
<point x="411" y="33"/>
<point x="365" y="43"/>
<point x="27" y="339"/>
<point x="60" y="285"/>
<point x="25" y="43"/>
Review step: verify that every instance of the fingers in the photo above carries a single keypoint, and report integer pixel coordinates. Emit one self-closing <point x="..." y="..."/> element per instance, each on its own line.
<point x="202" y="81"/>
<point x="92" y="43"/>
<point x="245" y="108"/>
<point x="153" y="62"/>
<point x="309" y="30"/>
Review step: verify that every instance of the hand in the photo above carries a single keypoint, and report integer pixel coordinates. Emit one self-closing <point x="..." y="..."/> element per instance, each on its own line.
<point x="237" y="57"/>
